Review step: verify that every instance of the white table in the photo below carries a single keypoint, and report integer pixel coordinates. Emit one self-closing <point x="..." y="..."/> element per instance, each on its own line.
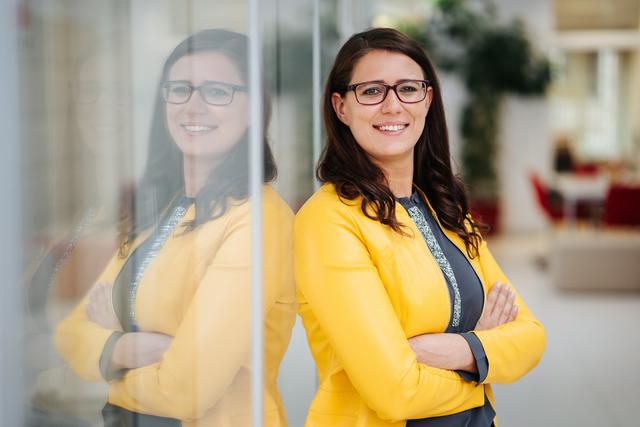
<point x="574" y="188"/>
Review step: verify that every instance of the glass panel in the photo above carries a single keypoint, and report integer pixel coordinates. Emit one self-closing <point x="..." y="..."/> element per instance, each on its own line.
<point x="288" y="75"/>
<point x="11" y="332"/>
<point x="138" y="224"/>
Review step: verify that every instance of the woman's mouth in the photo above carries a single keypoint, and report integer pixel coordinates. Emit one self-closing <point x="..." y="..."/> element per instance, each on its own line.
<point x="197" y="128"/>
<point x="391" y="128"/>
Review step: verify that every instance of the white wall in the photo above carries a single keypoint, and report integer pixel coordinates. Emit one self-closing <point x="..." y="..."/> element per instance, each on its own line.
<point x="525" y="142"/>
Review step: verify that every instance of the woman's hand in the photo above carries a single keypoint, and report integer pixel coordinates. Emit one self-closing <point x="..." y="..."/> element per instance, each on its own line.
<point x="100" y="307"/>
<point x="444" y="351"/>
<point x="499" y="307"/>
<point x="139" y="349"/>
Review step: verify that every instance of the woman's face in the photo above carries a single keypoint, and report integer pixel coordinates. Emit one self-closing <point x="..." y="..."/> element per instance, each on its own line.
<point x="388" y="131"/>
<point x="199" y="129"/>
<point x="102" y="96"/>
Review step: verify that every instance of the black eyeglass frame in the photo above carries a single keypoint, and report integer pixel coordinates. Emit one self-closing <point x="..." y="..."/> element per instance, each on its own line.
<point x="234" y="88"/>
<point x="353" y="87"/>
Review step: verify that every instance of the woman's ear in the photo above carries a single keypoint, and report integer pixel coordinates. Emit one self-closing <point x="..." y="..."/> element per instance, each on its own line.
<point x="428" y="99"/>
<point x="339" y="107"/>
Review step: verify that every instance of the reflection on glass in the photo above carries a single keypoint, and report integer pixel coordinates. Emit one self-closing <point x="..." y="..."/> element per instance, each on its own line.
<point x="167" y="323"/>
<point x="67" y="252"/>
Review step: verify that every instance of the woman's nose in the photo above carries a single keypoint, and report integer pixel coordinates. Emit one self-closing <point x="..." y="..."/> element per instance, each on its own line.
<point x="391" y="103"/>
<point x="196" y="103"/>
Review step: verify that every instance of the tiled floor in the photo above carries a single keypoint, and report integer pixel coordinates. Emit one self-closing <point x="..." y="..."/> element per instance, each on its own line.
<point x="589" y="374"/>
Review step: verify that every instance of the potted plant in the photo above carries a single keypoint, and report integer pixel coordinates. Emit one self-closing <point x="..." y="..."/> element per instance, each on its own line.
<point x="493" y="60"/>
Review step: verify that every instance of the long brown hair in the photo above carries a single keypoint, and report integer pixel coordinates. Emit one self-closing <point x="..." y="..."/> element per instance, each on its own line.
<point x="346" y="165"/>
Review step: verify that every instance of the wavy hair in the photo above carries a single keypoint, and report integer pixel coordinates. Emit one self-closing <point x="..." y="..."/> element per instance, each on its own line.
<point x="163" y="177"/>
<point x="346" y="165"/>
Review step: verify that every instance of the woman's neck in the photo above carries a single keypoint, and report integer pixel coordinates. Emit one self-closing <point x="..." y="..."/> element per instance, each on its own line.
<point x="399" y="174"/>
<point x="196" y="174"/>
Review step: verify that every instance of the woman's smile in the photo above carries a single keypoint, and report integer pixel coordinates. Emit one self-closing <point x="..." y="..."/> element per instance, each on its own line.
<point x="391" y="128"/>
<point x="198" y="129"/>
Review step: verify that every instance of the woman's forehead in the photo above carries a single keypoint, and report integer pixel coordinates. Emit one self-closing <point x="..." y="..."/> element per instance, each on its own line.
<point x="386" y="66"/>
<point x="203" y="66"/>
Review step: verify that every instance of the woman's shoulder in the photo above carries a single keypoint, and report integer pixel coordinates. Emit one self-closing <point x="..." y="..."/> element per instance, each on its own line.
<point x="238" y="213"/>
<point x="327" y="205"/>
<point x="274" y="203"/>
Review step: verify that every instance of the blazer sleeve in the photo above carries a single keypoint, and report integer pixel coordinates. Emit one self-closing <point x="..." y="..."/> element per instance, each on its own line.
<point x="340" y="282"/>
<point x="80" y="341"/>
<point x="516" y="347"/>
<point x="211" y="344"/>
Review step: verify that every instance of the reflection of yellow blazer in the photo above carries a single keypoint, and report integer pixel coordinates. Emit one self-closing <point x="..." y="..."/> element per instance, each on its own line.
<point x="198" y="290"/>
<point x="363" y="290"/>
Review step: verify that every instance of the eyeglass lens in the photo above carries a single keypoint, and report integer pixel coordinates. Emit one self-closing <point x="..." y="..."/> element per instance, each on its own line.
<point x="212" y="93"/>
<point x="374" y="93"/>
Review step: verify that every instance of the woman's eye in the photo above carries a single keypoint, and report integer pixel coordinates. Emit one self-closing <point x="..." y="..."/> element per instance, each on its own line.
<point x="180" y="90"/>
<point x="217" y="91"/>
<point x="408" y="89"/>
<point x="369" y="91"/>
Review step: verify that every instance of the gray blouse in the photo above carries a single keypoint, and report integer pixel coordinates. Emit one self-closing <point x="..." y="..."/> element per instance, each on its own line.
<point x="467" y="300"/>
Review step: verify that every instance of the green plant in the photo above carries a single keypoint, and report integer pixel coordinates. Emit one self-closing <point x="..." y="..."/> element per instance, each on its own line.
<point x="493" y="60"/>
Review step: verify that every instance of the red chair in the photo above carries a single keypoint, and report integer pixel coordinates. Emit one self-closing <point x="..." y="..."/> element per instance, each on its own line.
<point x="542" y="197"/>
<point x="584" y="209"/>
<point x="622" y="205"/>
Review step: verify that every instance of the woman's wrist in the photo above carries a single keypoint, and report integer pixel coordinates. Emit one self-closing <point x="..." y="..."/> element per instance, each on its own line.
<point x="444" y="351"/>
<point x="118" y="359"/>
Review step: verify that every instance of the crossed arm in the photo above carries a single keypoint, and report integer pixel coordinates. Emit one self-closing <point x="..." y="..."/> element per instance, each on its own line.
<point x="451" y="351"/>
<point x="512" y="343"/>
<point x="131" y="350"/>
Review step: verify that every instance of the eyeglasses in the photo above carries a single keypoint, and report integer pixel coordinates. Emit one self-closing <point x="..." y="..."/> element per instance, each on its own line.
<point x="213" y="93"/>
<point x="93" y="91"/>
<point x="407" y="91"/>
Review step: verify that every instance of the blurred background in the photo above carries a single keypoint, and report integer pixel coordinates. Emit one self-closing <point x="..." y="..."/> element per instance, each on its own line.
<point x="543" y="105"/>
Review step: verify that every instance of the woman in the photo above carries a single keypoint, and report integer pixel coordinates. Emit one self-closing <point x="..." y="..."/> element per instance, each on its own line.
<point x="168" y="323"/>
<point x="386" y="250"/>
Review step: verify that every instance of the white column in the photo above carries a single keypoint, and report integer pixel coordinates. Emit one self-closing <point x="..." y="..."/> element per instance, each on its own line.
<point x="11" y="368"/>
<point x="255" y="192"/>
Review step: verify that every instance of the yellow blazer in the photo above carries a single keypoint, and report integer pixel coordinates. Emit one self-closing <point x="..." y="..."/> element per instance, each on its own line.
<point x="362" y="291"/>
<point x="198" y="291"/>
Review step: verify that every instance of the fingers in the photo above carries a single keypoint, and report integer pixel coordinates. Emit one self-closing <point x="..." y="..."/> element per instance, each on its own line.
<point x="90" y="310"/>
<point x="100" y="308"/>
<point x="499" y="307"/>
<point x="502" y="291"/>
<point x="514" y="313"/>
<point x="491" y="299"/>
<point x="506" y="309"/>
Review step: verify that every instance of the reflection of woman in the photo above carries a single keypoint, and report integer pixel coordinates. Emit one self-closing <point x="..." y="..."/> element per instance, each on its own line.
<point x="392" y="274"/>
<point x="168" y="322"/>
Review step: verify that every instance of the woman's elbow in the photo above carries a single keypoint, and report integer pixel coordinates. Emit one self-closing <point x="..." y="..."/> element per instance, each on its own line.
<point x="539" y="343"/>
<point x="391" y="408"/>
<point x="530" y="355"/>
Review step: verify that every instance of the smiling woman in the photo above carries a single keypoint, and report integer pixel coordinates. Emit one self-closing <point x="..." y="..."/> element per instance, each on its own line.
<point x="385" y="125"/>
<point x="205" y="126"/>
<point x="408" y="316"/>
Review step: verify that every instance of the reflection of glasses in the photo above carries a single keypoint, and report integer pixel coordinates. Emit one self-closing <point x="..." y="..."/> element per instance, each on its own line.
<point x="407" y="91"/>
<point x="90" y="92"/>
<point x="213" y="93"/>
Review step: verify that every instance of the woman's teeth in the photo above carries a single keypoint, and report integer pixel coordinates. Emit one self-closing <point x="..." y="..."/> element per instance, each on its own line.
<point x="198" y="128"/>
<point x="391" y="128"/>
